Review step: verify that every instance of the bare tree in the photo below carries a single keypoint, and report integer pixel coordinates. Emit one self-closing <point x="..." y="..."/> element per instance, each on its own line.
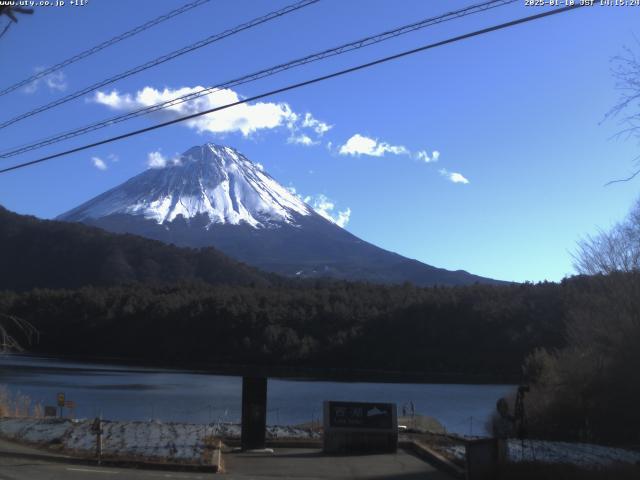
<point x="626" y="72"/>
<point x="10" y="324"/>
<point x="609" y="251"/>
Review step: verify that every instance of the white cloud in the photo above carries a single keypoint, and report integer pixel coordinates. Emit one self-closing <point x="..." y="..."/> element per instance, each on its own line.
<point x="158" y="160"/>
<point x="325" y="207"/>
<point x="114" y="100"/>
<point x="319" y="127"/>
<point x="424" y="156"/>
<point x="454" y="176"/>
<point x="56" y="81"/>
<point x="99" y="163"/>
<point x="302" y="139"/>
<point x="458" y="178"/>
<point x="303" y="129"/>
<point x="343" y="218"/>
<point x="361" y="145"/>
<point x="246" y="118"/>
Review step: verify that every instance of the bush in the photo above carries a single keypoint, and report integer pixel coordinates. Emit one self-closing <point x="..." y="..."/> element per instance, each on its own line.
<point x="17" y="404"/>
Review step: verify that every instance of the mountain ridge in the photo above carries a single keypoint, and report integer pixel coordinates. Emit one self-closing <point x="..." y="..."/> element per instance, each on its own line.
<point x="214" y="196"/>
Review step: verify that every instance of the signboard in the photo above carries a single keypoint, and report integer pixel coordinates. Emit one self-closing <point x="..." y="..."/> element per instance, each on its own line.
<point x="361" y="427"/>
<point x="70" y="404"/>
<point x="60" y="399"/>
<point x="360" y="415"/>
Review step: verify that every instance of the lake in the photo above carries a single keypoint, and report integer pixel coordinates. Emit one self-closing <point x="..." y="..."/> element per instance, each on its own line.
<point x="137" y="393"/>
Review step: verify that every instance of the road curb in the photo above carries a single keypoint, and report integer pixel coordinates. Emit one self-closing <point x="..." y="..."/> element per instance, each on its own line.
<point x="275" y="443"/>
<point x="433" y="457"/>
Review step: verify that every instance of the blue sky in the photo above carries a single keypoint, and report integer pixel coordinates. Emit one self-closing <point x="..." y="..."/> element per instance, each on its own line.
<point x="516" y="118"/>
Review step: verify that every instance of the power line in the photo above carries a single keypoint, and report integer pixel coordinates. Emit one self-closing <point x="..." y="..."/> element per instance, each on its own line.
<point x="301" y="84"/>
<point x="163" y="59"/>
<point x="6" y="27"/>
<point x="344" y="48"/>
<point x="105" y="44"/>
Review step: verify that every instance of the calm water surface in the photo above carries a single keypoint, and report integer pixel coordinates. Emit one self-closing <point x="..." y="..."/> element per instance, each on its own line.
<point x="135" y="393"/>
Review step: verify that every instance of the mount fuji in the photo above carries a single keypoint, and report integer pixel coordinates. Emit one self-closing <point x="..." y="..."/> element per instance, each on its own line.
<point x="214" y="196"/>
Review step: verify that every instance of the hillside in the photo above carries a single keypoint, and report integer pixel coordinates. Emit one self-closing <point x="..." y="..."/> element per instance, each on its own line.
<point x="41" y="253"/>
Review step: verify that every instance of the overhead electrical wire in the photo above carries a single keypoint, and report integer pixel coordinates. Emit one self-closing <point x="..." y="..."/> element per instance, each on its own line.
<point x="6" y="27"/>
<point x="103" y="45"/>
<point x="164" y="58"/>
<point x="339" y="73"/>
<point x="341" y="49"/>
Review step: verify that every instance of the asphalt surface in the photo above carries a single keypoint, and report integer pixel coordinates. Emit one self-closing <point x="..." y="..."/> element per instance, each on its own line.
<point x="305" y="464"/>
<point x="16" y="464"/>
<point x="312" y="464"/>
<point x="21" y="469"/>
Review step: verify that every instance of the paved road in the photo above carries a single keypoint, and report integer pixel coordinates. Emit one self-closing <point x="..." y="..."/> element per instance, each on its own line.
<point x="310" y="464"/>
<point x="21" y="469"/>
<point x="296" y="465"/>
<point x="305" y="464"/>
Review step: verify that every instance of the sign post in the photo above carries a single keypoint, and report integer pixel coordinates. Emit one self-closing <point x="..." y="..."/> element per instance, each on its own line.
<point x="96" y="428"/>
<point x="60" y="398"/>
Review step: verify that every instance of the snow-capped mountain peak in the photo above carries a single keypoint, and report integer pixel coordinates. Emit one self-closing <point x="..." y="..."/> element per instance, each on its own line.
<point x="213" y="196"/>
<point x="212" y="180"/>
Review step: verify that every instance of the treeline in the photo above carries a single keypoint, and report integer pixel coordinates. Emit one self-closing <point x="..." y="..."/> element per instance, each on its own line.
<point x="474" y="330"/>
<point x="39" y="253"/>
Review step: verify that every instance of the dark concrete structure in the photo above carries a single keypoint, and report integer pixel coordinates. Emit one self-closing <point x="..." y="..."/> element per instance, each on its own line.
<point x="254" y="412"/>
<point x="484" y="458"/>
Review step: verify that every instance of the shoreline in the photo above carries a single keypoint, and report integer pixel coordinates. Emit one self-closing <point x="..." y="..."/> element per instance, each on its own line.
<point x="289" y="373"/>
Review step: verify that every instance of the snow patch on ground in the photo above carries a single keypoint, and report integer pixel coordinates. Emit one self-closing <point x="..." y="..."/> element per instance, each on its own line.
<point x="170" y="442"/>
<point x="40" y="431"/>
<point x="580" y="454"/>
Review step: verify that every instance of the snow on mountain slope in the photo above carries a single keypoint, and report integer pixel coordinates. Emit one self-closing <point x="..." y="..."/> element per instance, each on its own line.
<point x="213" y="196"/>
<point x="213" y="180"/>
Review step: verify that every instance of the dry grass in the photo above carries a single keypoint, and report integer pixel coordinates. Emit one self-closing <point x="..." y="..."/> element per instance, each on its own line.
<point x="18" y="405"/>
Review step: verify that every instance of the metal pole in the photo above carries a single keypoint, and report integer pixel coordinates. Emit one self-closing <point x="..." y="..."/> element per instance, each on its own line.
<point x="100" y="444"/>
<point x="97" y="429"/>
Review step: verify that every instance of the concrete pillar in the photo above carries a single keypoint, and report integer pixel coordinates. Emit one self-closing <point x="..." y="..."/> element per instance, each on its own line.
<point x="254" y="412"/>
